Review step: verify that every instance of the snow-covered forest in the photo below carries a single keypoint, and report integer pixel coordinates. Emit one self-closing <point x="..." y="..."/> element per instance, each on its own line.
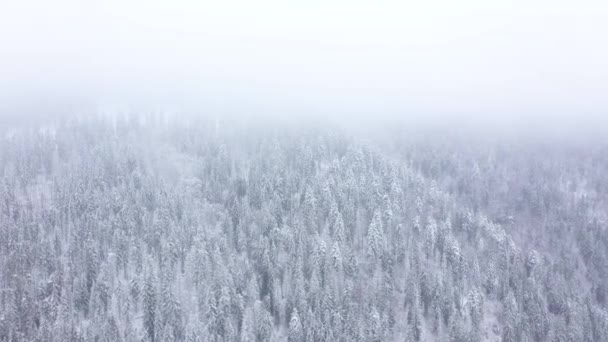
<point x="154" y="229"/>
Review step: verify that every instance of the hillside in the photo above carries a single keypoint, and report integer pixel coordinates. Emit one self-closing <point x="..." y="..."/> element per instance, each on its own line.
<point x="147" y="229"/>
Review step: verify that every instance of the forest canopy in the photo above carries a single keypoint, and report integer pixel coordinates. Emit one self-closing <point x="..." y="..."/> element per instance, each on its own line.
<point x="143" y="228"/>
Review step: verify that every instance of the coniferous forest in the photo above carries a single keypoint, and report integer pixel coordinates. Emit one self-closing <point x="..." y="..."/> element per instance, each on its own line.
<point x="144" y="228"/>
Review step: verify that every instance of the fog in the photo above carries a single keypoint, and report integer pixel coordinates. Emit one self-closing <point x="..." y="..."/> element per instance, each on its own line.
<point x="315" y="171"/>
<point x="522" y="66"/>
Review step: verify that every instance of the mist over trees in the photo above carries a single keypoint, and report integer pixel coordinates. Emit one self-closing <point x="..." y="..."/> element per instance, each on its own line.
<point x="134" y="228"/>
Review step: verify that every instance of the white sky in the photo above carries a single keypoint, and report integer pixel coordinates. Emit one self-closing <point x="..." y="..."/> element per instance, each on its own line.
<point x="434" y="58"/>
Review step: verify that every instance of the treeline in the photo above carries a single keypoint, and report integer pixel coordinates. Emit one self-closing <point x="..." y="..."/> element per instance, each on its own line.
<point x="155" y="230"/>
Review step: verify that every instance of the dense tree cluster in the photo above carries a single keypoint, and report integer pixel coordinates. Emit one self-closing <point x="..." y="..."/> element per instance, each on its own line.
<point x="147" y="229"/>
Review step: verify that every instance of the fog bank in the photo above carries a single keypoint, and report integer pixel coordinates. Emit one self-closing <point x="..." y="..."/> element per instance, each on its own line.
<point x="519" y="66"/>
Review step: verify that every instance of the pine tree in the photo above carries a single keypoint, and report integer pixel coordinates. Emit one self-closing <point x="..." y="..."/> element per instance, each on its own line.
<point x="338" y="229"/>
<point x="295" y="327"/>
<point x="171" y="311"/>
<point x="336" y="257"/>
<point x="430" y="237"/>
<point x="536" y="311"/>
<point x="149" y="305"/>
<point x="310" y="208"/>
<point x="476" y="308"/>
<point x="263" y="322"/>
<point x="248" y="327"/>
<point x="457" y="332"/>
<point x="511" y="325"/>
<point x="375" y="237"/>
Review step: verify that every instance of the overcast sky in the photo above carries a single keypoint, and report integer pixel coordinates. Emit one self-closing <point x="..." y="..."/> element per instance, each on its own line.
<point x="502" y="60"/>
